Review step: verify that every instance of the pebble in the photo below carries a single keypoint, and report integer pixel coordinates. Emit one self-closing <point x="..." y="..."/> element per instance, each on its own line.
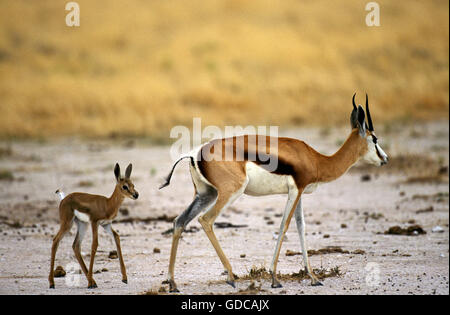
<point x="437" y="229"/>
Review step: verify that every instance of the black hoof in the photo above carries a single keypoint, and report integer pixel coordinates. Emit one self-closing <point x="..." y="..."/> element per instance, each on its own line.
<point x="52" y="286"/>
<point x="231" y="283"/>
<point x="125" y="281"/>
<point x="276" y="285"/>
<point x="317" y="284"/>
<point x="92" y="286"/>
<point x="174" y="290"/>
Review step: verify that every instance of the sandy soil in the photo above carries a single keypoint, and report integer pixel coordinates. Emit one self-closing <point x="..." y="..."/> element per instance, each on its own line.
<point x="352" y="213"/>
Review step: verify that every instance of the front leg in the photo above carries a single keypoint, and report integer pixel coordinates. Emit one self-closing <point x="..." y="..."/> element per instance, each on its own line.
<point x="300" y="220"/>
<point x="91" y="281"/>
<point x="108" y="228"/>
<point x="293" y="199"/>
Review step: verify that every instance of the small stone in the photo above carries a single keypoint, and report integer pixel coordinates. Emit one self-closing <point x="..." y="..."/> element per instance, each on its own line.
<point x="113" y="254"/>
<point x="59" y="272"/>
<point x="124" y="211"/>
<point x="162" y="290"/>
<point x="437" y="229"/>
<point x="365" y="178"/>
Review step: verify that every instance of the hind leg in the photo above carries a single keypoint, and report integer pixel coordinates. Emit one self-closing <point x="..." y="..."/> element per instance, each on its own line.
<point x="207" y="221"/>
<point x="201" y="202"/>
<point x="66" y="218"/>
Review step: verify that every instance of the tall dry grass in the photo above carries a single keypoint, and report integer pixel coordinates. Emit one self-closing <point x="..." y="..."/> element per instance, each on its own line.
<point x="140" y="67"/>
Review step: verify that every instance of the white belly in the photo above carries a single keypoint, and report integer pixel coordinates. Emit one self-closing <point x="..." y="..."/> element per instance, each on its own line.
<point x="82" y="216"/>
<point x="262" y="182"/>
<point x="310" y="188"/>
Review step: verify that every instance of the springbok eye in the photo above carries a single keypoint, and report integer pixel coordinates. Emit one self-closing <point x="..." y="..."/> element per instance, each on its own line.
<point x="125" y="187"/>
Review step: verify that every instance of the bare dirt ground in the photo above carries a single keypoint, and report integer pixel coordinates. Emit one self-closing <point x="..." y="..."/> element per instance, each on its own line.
<point x="351" y="214"/>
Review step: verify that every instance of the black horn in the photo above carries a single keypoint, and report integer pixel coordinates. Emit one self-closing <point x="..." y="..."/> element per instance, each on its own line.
<point x="353" y="100"/>
<point x="369" y="119"/>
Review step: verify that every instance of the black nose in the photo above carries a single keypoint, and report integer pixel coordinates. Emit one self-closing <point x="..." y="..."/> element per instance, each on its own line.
<point x="136" y="195"/>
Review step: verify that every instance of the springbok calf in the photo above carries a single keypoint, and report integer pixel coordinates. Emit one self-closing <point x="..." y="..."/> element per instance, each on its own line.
<point x="299" y="170"/>
<point x="97" y="210"/>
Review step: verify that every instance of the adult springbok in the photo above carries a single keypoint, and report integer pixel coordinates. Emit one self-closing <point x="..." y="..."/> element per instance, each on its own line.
<point x="97" y="210"/>
<point x="219" y="182"/>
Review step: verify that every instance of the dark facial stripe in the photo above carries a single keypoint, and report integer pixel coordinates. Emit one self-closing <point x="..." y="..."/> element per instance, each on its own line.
<point x="374" y="138"/>
<point x="378" y="153"/>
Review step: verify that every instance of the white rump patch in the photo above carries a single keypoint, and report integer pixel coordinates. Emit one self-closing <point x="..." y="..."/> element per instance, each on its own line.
<point x="200" y="181"/>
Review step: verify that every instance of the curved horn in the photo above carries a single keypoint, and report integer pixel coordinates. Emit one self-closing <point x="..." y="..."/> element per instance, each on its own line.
<point x="353" y="100"/>
<point x="369" y="119"/>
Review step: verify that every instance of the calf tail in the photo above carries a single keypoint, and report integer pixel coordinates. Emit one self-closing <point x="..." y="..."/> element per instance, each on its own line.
<point x="60" y="194"/>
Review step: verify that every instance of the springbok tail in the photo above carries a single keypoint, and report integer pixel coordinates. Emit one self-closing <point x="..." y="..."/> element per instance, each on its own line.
<point x="167" y="183"/>
<point x="60" y="194"/>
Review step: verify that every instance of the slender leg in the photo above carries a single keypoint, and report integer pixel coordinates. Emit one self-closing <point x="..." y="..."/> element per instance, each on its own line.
<point x="173" y="254"/>
<point x="300" y="220"/>
<point x="108" y="228"/>
<point x="207" y="221"/>
<point x="293" y="198"/>
<point x="91" y="281"/>
<point x="82" y="227"/>
<point x="66" y="219"/>
<point x="201" y="202"/>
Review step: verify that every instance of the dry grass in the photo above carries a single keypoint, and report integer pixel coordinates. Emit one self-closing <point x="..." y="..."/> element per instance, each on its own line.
<point x="6" y="175"/>
<point x="258" y="273"/>
<point x="139" y="67"/>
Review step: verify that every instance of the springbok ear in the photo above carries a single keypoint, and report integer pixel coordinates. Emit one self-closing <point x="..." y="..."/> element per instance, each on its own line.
<point x="361" y="121"/>
<point x="354" y="118"/>
<point x="128" y="171"/>
<point x="117" y="171"/>
<point x="354" y="115"/>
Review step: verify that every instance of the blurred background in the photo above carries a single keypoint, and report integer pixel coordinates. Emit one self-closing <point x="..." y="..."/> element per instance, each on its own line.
<point x="76" y="100"/>
<point x="137" y="68"/>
